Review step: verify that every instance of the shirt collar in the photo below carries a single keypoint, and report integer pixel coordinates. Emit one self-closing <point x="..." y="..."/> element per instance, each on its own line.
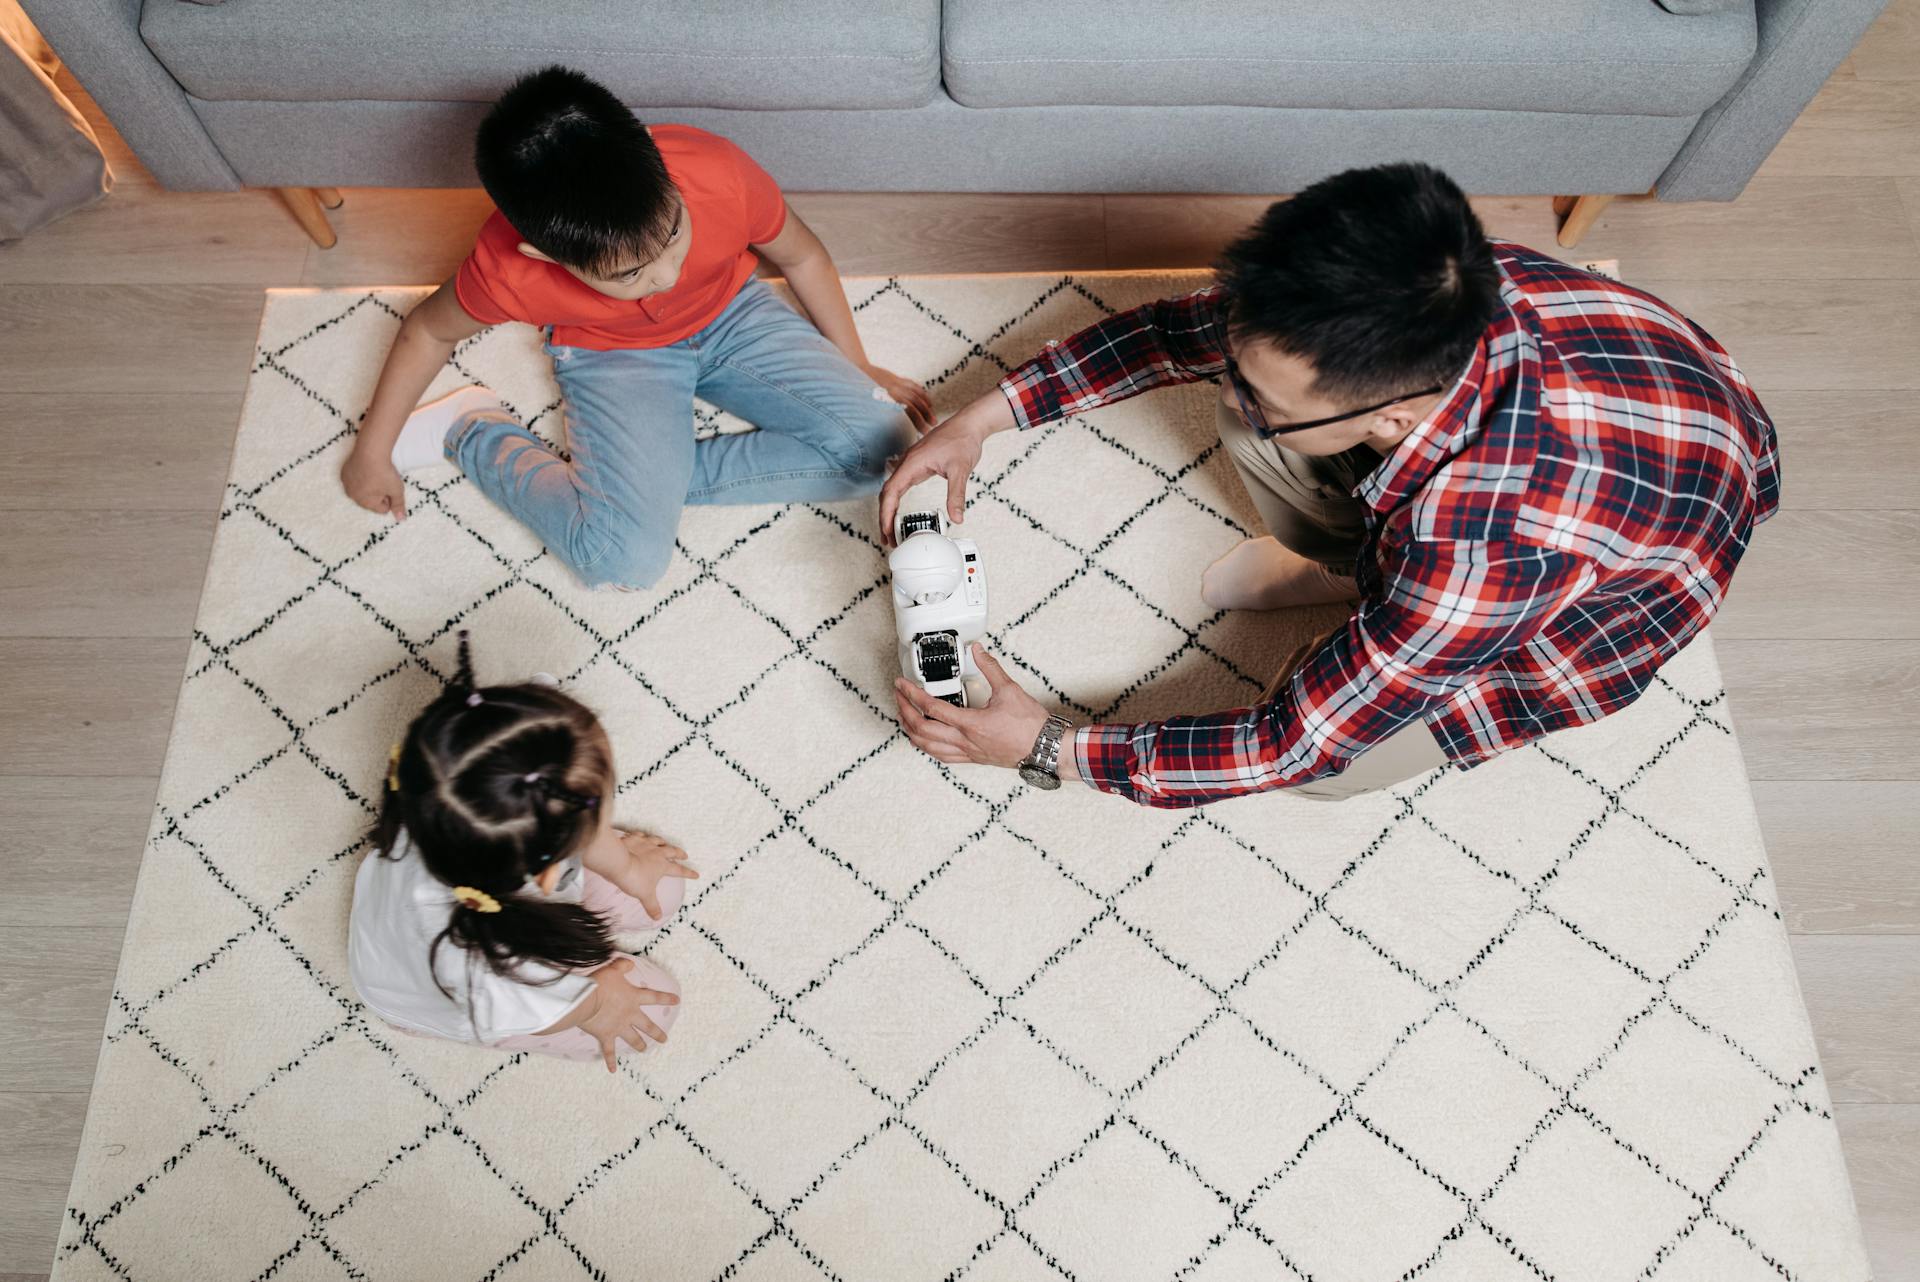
<point x="1499" y="392"/>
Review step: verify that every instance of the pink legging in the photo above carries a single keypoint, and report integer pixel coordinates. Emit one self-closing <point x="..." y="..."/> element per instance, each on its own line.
<point x="623" y="914"/>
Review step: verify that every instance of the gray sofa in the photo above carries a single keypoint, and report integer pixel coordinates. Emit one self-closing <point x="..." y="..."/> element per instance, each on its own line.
<point x="1592" y="97"/>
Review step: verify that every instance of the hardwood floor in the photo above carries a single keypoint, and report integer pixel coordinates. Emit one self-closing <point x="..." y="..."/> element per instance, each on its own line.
<point x="127" y="331"/>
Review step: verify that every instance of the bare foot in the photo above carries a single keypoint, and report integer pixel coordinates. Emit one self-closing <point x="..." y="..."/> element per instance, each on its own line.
<point x="1264" y="574"/>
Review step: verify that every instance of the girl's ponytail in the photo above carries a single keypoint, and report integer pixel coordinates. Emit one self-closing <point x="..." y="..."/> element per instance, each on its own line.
<point x="493" y="786"/>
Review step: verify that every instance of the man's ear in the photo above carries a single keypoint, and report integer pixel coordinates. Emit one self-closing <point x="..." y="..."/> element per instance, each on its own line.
<point x="1392" y="425"/>
<point x="531" y="252"/>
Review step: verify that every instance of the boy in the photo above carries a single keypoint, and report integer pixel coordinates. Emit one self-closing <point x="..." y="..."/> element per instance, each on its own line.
<point x="635" y="249"/>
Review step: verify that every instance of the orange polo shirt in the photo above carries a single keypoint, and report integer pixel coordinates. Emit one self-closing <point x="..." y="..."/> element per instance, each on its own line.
<point x="732" y="204"/>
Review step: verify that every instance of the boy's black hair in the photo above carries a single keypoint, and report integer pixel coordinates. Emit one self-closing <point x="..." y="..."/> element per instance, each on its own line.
<point x="1381" y="278"/>
<point x="575" y="172"/>
<point x="492" y="786"/>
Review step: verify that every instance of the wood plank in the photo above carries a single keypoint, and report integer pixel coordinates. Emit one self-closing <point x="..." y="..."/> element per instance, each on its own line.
<point x="1170" y="231"/>
<point x="882" y="233"/>
<point x="1846" y="449"/>
<point x="72" y="848"/>
<point x="1863" y="994"/>
<point x="88" y="706"/>
<point x="1162" y="231"/>
<point x="55" y="982"/>
<point x="102" y="573"/>
<point x="145" y="235"/>
<point x="128" y="338"/>
<point x="40" y="1133"/>
<point x="1863" y="128"/>
<point x="1780" y="228"/>
<point x="1891" y="48"/>
<point x="397" y="236"/>
<point x="1882" y="1144"/>
<point x="1825" y="574"/>
<point x="130" y="452"/>
<point x="1807" y="334"/>
<point x="1825" y="709"/>
<point x="1843" y="854"/>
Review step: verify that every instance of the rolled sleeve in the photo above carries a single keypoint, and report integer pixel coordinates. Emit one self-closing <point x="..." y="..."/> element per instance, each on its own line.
<point x="1173" y="340"/>
<point x="1450" y="614"/>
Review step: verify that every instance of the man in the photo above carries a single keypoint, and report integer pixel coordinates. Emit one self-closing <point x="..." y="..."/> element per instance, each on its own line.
<point x="1535" y="482"/>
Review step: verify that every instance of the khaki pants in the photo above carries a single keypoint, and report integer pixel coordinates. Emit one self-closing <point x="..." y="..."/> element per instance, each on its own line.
<point x="1307" y="504"/>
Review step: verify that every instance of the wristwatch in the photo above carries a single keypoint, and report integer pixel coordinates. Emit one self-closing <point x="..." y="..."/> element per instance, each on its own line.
<point x="1041" y="769"/>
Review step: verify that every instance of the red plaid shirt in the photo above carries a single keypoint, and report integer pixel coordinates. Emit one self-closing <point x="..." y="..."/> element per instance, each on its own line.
<point x="1565" y="520"/>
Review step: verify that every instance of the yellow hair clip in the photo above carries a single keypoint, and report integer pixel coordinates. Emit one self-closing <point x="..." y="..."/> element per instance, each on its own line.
<point x="477" y="900"/>
<point x="393" y="768"/>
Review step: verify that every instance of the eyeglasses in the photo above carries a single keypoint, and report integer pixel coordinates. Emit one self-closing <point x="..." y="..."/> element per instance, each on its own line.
<point x="1250" y="405"/>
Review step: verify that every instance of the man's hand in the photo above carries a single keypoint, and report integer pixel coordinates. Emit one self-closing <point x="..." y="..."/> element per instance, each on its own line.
<point x="372" y="481"/>
<point x="619" y="1013"/>
<point x="904" y="391"/>
<point x="648" y="860"/>
<point x="951" y="450"/>
<point x="1000" y="734"/>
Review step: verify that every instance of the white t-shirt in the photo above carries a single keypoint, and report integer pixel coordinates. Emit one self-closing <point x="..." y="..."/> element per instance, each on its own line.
<point x="399" y="908"/>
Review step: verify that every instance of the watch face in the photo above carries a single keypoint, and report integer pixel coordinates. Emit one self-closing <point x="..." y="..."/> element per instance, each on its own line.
<point x="1039" y="778"/>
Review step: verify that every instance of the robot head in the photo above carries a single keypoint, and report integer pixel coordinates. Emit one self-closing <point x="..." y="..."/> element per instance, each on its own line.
<point x="926" y="567"/>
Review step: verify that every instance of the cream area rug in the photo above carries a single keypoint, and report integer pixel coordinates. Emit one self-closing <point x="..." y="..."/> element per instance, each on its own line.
<point x="1535" y="1021"/>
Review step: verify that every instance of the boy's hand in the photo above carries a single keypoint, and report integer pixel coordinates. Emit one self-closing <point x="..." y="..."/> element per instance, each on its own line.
<point x="374" y="483"/>
<point x="648" y="860"/>
<point x="906" y="392"/>
<point x="619" y="1013"/>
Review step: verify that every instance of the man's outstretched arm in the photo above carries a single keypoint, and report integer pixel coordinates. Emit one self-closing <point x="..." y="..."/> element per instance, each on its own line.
<point x="1173" y="340"/>
<point x="1450" y="612"/>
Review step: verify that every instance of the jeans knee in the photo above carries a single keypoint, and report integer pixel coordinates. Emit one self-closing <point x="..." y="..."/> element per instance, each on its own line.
<point x="873" y="438"/>
<point x="626" y="559"/>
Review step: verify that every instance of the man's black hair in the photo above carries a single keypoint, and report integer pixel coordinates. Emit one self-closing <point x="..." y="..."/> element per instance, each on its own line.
<point x="1381" y="278"/>
<point x="575" y="173"/>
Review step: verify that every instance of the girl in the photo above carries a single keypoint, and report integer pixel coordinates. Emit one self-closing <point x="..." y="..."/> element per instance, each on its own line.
<point x="488" y="913"/>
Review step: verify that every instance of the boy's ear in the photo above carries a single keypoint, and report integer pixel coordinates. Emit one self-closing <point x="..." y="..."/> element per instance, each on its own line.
<point x="531" y="252"/>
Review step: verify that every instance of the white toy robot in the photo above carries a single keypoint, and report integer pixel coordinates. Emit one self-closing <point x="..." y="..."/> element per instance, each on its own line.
<point x="939" y="604"/>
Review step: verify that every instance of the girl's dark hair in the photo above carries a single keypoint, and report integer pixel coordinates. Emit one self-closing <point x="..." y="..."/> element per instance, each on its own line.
<point x="493" y="785"/>
<point x="575" y="173"/>
<point x="1381" y="278"/>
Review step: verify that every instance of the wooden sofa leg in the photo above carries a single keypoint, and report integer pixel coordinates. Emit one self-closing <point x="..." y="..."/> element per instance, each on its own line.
<point x="1580" y="214"/>
<point x="330" y="197"/>
<point x="304" y="204"/>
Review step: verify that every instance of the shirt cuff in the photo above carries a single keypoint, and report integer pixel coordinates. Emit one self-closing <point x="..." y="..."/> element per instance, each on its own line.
<point x="1014" y="403"/>
<point x="1032" y="390"/>
<point x="1103" y="757"/>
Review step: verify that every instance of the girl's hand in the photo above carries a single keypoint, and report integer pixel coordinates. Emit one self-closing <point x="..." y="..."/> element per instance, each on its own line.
<point x="648" y="860"/>
<point x="906" y="392"/>
<point x="619" y="1013"/>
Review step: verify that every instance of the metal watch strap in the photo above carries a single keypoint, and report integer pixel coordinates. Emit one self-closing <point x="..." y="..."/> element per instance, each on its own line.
<point x="1046" y="747"/>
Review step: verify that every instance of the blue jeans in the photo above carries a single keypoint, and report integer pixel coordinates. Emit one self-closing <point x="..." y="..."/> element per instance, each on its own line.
<point x="611" y="513"/>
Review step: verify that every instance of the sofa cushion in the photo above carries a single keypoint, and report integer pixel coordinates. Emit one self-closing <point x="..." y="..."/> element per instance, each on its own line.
<point x="670" y="53"/>
<point x="1597" y="56"/>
